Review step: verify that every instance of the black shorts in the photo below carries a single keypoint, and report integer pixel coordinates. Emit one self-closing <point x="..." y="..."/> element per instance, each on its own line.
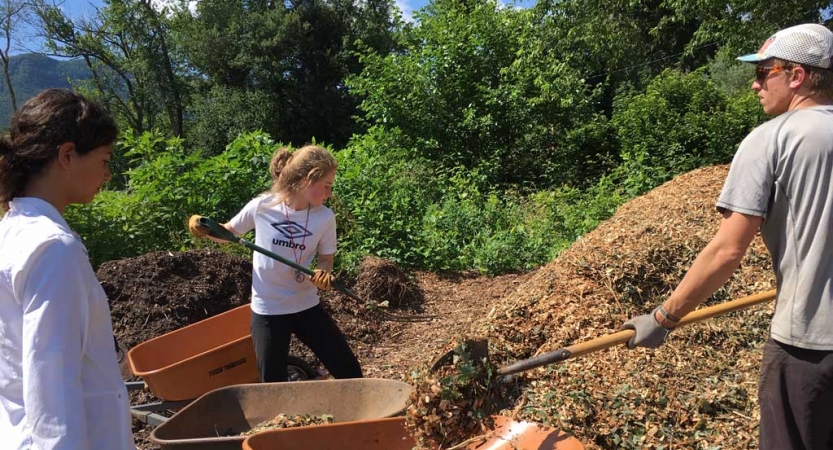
<point x="796" y="396"/>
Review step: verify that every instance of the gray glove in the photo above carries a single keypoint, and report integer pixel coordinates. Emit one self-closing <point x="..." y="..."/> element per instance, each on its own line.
<point x="649" y="333"/>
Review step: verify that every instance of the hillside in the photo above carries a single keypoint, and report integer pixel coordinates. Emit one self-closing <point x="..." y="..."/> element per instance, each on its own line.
<point x="32" y="73"/>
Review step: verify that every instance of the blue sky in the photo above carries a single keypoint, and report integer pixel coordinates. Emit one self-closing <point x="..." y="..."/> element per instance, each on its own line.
<point x="85" y="8"/>
<point x="80" y="7"/>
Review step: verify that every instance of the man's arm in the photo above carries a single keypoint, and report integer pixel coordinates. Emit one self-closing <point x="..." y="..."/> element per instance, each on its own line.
<point x="714" y="265"/>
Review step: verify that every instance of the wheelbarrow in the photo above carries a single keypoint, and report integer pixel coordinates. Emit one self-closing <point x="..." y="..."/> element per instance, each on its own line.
<point x="390" y="434"/>
<point x="215" y="420"/>
<point x="186" y="363"/>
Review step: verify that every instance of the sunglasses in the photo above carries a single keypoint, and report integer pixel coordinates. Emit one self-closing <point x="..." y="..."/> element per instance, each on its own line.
<point x="761" y="73"/>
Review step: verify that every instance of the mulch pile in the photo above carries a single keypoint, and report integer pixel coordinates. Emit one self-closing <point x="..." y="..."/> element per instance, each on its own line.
<point x="697" y="391"/>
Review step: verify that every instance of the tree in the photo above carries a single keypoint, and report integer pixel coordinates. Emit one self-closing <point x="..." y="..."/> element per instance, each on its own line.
<point x="472" y="86"/>
<point x="126" y="48"/>
<point x="12" y="13"/>
<point x="293" y="56"/>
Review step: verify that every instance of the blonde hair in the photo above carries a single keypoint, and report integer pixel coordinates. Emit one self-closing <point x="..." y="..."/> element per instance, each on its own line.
<point x="292" y="172"/>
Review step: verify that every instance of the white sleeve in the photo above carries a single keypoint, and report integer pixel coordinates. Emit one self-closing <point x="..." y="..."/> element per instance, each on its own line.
<point x="328" y="243"/>
<point x="55" y="309"/>
<point x="244" y="221"/>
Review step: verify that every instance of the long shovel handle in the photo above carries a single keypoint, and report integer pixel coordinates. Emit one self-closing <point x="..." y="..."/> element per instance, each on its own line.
<point x="621" y="337"/>
<point x="220" y="232"/>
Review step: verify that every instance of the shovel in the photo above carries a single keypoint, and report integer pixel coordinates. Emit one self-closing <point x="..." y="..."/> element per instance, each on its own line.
<point x="480" y="349"/>
<point x="220" y="232"/>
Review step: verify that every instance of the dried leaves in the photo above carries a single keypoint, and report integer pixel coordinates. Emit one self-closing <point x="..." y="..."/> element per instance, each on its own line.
<point x="289" y="421"/>
<point x="454" y="402"/>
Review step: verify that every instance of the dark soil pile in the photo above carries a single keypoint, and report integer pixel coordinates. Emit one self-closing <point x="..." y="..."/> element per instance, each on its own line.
<point x="697" y="391"/>
<point x="159" y="292"/>
<point x="381" y="281"/>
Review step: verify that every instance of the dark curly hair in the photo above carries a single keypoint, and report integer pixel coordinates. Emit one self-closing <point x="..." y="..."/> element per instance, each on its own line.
<point x="40" y="126"/>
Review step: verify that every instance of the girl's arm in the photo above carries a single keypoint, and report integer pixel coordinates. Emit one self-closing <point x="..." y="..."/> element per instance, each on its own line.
<point x="227" y="226"/>
<point x="53" y="298"/>
<point x="325" y="262"/>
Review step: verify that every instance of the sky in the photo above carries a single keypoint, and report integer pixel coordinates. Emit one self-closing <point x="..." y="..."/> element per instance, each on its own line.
<point x="80" y="7"/>
<point x="86" y="8"/>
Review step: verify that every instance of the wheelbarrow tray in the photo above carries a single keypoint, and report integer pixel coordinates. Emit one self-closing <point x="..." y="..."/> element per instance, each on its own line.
<point x="198" y="358"/>
<point x="213" y="421"/>
<point x="390" y="434"/>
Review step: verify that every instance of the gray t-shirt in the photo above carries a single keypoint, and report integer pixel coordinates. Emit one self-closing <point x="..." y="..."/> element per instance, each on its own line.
<point x="783" y="172"/>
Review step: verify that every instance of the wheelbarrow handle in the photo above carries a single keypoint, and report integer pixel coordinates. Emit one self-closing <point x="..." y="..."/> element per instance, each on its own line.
<point x="220" y="232"/>
<point x="621" y="337"/>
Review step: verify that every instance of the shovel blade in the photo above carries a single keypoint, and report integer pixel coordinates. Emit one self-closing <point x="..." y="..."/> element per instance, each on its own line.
<point x="478" y="348"/>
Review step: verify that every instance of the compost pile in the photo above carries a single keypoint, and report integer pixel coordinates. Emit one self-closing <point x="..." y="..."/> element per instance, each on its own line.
<point x="159" y="292"/>
<point x="697" y="391"/>
<point x="382" y="282"/>
<point x="289" y="421"/>
<point x="451" y="404"/>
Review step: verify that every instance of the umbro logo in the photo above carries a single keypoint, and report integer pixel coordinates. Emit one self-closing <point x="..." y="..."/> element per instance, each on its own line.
<point x="291" y="230"/>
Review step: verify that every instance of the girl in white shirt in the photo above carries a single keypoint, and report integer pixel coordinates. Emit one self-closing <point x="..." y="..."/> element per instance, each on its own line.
<point x="292" y="221"/>
<point x="60" y="386"/>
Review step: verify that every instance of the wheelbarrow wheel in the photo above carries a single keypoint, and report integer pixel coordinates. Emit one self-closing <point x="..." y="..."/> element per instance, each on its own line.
<point x="298" y="369"/>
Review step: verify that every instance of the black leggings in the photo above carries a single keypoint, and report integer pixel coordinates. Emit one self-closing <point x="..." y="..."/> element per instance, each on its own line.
<point x="316" y="329"/>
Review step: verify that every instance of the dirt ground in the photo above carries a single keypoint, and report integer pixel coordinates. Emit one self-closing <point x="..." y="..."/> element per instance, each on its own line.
<point x="159" y="292"/>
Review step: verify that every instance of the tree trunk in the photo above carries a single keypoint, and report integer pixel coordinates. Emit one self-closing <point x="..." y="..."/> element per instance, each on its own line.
<point x="8" y="78"/>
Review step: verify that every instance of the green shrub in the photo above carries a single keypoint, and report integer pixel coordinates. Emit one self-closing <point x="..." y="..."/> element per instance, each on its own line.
<point x="681" y="122"/>
<point x="167" y="185"/>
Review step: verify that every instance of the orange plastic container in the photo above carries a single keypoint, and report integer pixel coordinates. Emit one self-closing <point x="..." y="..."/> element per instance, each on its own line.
<point x="390" y="434"/>
<point x="188" y="362"/>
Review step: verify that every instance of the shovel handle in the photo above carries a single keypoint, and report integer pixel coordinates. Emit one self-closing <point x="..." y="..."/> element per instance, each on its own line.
<point x="622" y="337"/>
<point x="220" y="232"/>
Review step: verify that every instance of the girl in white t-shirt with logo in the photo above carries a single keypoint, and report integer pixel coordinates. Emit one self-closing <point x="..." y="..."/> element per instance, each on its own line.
<point x="292" y="221"/>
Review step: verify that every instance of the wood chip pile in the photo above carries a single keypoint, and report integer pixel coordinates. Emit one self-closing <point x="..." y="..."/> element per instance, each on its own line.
<point x="697" y="391"/>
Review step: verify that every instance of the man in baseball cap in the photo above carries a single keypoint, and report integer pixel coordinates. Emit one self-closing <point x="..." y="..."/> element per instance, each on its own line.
<point x="781" y="183"/>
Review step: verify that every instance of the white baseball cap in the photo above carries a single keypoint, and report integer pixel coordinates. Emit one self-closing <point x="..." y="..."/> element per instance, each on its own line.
<point x="809" y="43"/>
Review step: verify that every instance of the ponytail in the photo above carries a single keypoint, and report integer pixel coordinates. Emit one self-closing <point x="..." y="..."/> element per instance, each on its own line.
<point x="279" y="161"/>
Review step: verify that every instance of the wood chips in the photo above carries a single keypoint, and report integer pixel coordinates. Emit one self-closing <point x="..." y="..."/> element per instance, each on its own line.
<point x="697" y="391"/>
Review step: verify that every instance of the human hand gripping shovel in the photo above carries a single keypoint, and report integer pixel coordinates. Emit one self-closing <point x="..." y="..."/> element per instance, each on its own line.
<point x="480" y="349"/>
<point x="217" y="231"/>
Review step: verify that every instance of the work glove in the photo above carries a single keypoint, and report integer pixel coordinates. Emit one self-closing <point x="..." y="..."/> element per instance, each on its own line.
<point x="323" y="279"/>
<point x="649" y="333"/>
<point x="195" y="228"/>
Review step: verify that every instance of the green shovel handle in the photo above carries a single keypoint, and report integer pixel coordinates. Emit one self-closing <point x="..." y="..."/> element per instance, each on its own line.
<point x="220" y="232"/>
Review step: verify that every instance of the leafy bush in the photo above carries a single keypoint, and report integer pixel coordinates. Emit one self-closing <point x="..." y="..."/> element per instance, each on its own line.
<point x="167" y="185"/>
<point x="379" y="198"/>
<point x="681" y="122"/>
